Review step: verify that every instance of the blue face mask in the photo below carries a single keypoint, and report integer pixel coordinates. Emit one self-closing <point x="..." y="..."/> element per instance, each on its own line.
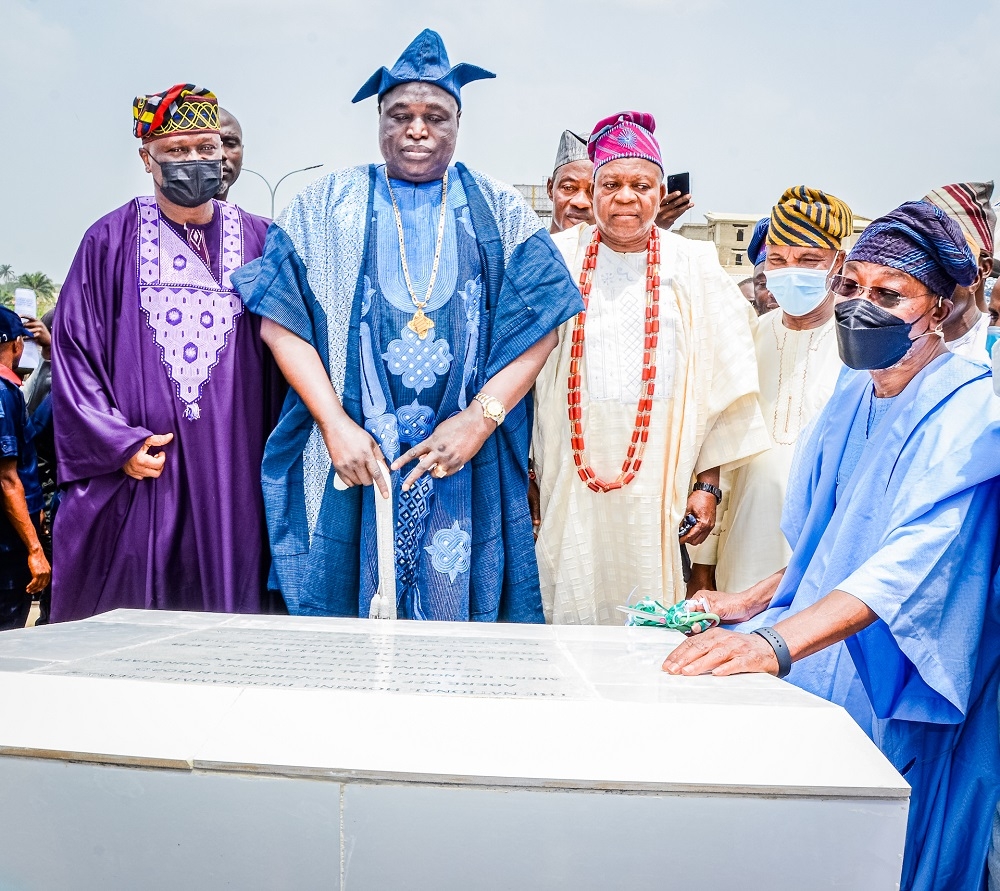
<point x="992" y="336"/>
<point x="798" y="291"/>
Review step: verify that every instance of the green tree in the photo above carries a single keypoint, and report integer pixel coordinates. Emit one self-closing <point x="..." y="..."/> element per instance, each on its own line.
<point x="40" y="283"/>
<point x="46" y="290"/>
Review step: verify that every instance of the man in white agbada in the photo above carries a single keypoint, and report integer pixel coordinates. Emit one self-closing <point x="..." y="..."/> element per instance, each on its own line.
<point x="798" y="364"/>
<point x="652" y="389"/>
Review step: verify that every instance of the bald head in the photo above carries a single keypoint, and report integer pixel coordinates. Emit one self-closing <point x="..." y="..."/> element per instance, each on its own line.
<point x="232" y="151"/>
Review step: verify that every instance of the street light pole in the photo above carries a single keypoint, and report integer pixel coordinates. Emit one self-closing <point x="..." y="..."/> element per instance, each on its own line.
<point x="279" y="182"/>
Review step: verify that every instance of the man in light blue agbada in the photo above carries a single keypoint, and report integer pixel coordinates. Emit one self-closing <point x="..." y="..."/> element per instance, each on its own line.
<point x="410" y="305"/>
<point x="892" y="512"/>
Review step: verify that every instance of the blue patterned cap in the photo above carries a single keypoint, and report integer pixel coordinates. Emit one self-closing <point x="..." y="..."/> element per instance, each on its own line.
<point x="424" y="60"/>
<point x="757" y="249"/>
<point x="920" y="239"/>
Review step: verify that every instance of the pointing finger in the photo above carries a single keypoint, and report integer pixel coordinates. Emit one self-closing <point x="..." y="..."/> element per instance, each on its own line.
<point x="379" y="473"/>
<point x="424" y="465"/>
<point x="420" y="449"/>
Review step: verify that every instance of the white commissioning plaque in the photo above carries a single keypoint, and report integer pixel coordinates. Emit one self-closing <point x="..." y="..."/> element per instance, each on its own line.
<point x="166" y="750"/>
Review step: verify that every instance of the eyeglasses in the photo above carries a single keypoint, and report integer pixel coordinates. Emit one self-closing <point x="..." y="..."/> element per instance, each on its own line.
<point x="843" y="286"/>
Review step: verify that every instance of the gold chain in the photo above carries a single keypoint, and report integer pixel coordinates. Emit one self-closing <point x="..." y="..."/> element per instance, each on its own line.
<point x="799" y="381"/>
<point x="420" y="324"/>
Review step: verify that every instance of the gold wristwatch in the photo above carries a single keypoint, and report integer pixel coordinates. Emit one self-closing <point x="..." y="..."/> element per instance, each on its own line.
<point x="492" y="408"/>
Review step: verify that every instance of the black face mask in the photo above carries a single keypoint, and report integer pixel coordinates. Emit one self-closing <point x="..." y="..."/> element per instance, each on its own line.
<point x="190" y="183"/>
<point x="868" y="336"/>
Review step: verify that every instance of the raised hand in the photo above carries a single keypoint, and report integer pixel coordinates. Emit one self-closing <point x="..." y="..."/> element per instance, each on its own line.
<point x="41" y="334"/>
<point x="672" y="208"/>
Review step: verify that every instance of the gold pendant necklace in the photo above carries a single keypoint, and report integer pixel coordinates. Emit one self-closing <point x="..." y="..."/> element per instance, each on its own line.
<point x="420" y="324"/>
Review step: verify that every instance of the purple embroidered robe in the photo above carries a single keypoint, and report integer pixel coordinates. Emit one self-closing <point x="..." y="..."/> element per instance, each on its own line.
<point x="147" y="339"/>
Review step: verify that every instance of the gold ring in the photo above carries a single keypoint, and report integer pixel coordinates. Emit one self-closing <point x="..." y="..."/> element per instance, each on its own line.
<point x="439" y="472"/>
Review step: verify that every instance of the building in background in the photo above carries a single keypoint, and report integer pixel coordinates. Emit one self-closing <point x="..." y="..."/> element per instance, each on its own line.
<point x="730" y="232"/>
<point x="537" y="197"/>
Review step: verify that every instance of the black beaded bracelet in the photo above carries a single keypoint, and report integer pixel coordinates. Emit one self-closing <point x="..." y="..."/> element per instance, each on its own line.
<point x="780" y="648"/>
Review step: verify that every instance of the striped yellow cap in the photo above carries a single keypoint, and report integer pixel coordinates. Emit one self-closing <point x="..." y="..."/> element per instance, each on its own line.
<point x="807" y="217"/>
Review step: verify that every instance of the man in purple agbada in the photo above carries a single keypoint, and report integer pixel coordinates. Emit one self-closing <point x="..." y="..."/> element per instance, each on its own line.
<point x="162" y="390"/>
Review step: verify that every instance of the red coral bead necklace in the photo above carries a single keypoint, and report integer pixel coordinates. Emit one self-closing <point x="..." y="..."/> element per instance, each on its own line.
<point x="640" y="432"/>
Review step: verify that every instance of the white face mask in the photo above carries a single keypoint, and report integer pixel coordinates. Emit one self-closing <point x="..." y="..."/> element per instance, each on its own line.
<point x="798" y="291"/>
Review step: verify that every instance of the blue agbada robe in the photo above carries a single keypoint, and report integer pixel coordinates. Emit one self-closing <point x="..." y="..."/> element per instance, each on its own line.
<point x="321" y="278"/>
<point x="913" y="536"/>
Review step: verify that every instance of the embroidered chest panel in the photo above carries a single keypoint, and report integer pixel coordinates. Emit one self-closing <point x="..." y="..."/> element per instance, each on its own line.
<point x="615" y="330"/>
<point x="189" y="312"/>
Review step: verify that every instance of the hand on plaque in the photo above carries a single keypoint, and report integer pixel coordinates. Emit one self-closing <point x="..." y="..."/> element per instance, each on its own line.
<point x="720" y="652"/>
<point x="730" y="608"/>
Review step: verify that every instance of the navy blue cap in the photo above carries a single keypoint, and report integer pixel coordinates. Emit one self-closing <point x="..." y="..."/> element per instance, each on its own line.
<point x="11" y="326"/>
<point x="424" y="60"/>
<point x="757" y="249"/>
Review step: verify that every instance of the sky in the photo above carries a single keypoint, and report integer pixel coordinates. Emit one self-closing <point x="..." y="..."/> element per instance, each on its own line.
<point x="875" y="102"/>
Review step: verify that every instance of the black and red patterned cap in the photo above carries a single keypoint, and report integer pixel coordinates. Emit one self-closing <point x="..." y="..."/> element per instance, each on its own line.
<point x="184" y="108"/>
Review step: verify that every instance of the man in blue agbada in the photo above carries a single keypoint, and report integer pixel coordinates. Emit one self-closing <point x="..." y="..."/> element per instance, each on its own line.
<point x="885" y="606"/>
<point x="410" y="305"/>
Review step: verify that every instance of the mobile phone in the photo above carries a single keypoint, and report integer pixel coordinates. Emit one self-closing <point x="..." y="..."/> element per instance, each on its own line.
<point x="679" y="182"/>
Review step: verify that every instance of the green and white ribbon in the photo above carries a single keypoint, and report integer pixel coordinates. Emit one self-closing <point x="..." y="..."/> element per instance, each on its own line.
<point x="681" y="616"/>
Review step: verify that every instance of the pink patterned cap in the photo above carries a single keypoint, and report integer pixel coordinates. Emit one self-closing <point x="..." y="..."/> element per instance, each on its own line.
<point x="628" y="134"/>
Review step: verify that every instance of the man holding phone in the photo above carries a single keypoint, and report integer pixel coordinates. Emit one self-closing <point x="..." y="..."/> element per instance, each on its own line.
<point x="676" y="202"/>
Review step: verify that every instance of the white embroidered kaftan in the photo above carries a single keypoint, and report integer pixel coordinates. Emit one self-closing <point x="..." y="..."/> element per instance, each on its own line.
<point x="798" y="371"/>
<point x="594" y="548"/>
